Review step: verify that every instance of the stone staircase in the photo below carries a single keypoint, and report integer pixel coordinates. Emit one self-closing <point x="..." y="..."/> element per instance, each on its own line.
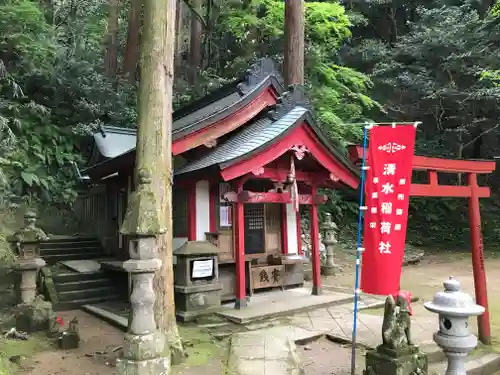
<point x="56" y="250"/>
<point x="72" y="290"/>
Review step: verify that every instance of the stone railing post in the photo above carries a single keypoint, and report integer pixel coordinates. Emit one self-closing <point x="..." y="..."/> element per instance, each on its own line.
<point x="454" y="308"/>
<point x="329" y="229"/>
<point x="145" y="350"/>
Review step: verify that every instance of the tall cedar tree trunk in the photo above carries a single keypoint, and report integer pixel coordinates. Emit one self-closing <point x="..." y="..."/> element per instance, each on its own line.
<point x="294" y="42"/>
<point x="179" y="27"/>
<point x="132" y="46"/>
<point x="195" y="43"/>
<point x="111" y="41"/>
<point x="154" y="146"/>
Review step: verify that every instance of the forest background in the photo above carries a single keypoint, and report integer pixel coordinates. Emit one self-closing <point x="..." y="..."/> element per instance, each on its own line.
<point x="69" y="66"/>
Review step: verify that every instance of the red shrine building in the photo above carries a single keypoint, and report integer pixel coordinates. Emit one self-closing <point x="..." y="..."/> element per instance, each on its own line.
<point x="247" y="158"/>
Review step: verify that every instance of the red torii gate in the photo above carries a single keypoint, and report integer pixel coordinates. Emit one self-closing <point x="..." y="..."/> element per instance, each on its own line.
<point x="473" y="192"/>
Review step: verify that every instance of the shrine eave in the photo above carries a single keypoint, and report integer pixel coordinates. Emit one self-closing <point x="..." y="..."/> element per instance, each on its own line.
<point x="265" y="140"/>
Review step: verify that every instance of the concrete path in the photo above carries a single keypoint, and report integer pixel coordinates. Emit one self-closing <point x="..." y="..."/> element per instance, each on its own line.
<point x="272" y="351"/>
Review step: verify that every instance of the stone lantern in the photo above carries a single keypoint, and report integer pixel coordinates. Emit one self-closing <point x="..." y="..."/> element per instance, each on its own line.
<point x="27" y="244"/>
<point x="329" y="229"/>
<point x="144" y="348"/>
<point x="454" y="308"/>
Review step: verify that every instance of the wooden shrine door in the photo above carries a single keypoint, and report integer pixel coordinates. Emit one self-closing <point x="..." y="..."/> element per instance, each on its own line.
<point x="254" y="229"/>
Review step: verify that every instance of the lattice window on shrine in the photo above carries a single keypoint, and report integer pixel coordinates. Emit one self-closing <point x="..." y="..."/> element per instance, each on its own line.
<point x="179" y="212"/>
<point x="224" y="209"/>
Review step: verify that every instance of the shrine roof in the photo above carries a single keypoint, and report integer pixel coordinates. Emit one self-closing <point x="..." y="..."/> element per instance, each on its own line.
<point x="259" y="133"/>
<point x="268" y="130"/>
<point x="112" y="142"/>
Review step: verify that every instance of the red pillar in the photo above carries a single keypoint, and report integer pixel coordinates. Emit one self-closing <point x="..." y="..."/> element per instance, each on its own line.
<point x="316" y="266"/>
<point x="284" y="230"/>
<point x="239" y="252"/>
<point x="478" y="261"/>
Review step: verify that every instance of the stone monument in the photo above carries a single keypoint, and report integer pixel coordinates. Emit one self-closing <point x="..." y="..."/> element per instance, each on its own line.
<point x="397" y="354"/>
<point x="145" y="349"/>
<point x="329" y="229"/>
<point x="454" y="308"/>
<point x="196" y="275"/>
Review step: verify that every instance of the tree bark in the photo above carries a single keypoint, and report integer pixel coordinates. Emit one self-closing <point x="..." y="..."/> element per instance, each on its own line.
<point x="195" y="43"/>
<point x="154" y="147"/>
<point x="179" y="27"/>
<point x="294" y="42"/>
<point x="111" y="42"/>
<point x="132" y="46"/>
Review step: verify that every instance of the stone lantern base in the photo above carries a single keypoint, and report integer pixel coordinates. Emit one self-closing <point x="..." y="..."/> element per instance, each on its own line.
<point x="144" y="355"/>
<point x="330" y="270"/>
<point x="34" y="316"/>
<point x="384" y="361"/>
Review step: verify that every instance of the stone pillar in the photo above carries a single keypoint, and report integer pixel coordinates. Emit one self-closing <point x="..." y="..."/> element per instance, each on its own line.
<point x="28" y="268"/>
<point x="329" y="229"/>
<point x="145" y="350"/>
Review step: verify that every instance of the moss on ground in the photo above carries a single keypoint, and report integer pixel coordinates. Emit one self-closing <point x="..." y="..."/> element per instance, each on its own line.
<point x="22" y="349"/>
<point x="201" y="348"/>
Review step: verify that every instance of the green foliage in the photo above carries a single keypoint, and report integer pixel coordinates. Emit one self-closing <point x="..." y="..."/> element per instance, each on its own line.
<point x="340" y="94"/>
<point x="437" y="62"/>
<point x="51" y="90"/>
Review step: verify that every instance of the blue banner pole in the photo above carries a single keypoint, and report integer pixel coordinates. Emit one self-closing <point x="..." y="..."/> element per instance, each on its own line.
<point x="359" y="250"/>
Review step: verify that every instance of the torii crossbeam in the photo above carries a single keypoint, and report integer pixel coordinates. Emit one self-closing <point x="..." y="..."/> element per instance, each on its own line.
<point x="472" y="191"/>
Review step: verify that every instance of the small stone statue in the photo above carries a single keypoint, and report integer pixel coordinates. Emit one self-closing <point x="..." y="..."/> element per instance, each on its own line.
<point x="397" y="355"/>
<point x="397" y="323"/>
<point x="70" y="339"/>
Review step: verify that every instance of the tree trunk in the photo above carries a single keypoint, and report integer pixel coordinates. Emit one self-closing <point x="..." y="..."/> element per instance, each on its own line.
<point x="131" y="48"/>
<point x="154" y="146"/>
<point x="111" y="42"/>
<point x="294" y="42"/>
<point x="195" y="43"/>
<point x="179" y="27"/>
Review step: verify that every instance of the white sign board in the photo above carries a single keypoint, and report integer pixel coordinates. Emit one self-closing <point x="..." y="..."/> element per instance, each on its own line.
<point x="203" y="268"/>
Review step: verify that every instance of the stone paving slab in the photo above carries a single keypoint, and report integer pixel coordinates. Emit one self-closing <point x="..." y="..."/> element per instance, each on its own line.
<point x="267" y="305"/>
<point x="270" y="351"/>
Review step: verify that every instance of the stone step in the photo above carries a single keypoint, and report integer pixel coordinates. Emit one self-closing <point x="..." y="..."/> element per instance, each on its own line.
<point x="75" y="295"/>
<point x="52" y="259"/>
<point x="83" y="284"/>
<point x="60" y="278"/>
<point x="66" y="243"/>
<point x="72" y="250"/>
<point x="479" y="364"/>
<point x="76" y="304"/>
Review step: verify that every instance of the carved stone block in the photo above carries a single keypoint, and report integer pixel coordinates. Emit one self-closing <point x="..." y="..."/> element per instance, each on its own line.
<point x="156" y="366"/>
<point x="385" y="361"/>
<point x="143" y="347"/>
